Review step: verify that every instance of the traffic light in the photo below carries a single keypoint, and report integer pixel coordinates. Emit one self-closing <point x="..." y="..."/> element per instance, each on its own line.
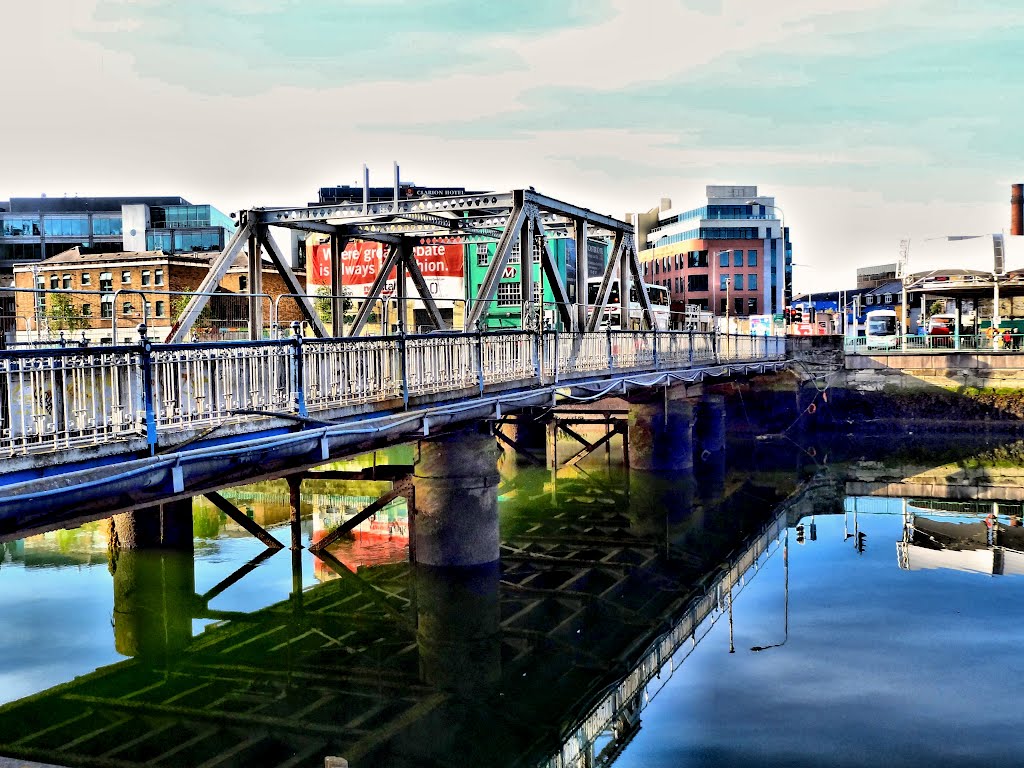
<point x="798" y="314"/>
<point x="861" y="536"/>
<point x="787" y="315"/>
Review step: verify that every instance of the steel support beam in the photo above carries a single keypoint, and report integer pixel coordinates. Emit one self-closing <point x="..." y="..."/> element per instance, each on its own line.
<point x="243" y="520"/>
<point x="526" y="248"/>
<point x="611" y="269"/>
<point x="388" y="263"/>
<point x="582" y="274"/>
<point x="554" y="277"/>
<point x="489" y="285"/>
<point x="421" y="286"/>
<point x="338" y="245"/>
<point x="255" y="285"/>
<point x="219" y="268"/>
<point x="637" y="273"/>
<point x="292" y="284"/>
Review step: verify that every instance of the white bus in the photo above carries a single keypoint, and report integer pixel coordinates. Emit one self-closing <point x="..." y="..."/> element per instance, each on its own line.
<point x="881" y="329"/>
<point x="658" y="295"/>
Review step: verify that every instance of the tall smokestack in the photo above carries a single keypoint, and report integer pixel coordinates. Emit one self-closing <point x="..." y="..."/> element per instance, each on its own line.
<point x="1017" y="209"/>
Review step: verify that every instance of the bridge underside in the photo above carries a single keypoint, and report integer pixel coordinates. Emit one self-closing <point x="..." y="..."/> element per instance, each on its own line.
<point x="272" y="446"/>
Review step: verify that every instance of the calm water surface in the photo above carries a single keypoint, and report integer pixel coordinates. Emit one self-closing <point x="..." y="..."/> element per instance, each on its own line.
<point x="889" y="629"/>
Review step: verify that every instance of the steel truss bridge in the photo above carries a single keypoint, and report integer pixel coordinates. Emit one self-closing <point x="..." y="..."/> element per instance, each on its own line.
<point x="116" y="427"/>
<point x="519" y="220"/>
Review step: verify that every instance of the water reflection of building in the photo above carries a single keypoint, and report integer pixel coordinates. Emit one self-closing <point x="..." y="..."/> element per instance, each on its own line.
<point x="380" y="539"/>
<point x="976" y="537"/>
<point x="85" y="545"/>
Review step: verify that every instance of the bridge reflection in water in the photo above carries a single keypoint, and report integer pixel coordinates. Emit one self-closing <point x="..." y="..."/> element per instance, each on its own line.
<point x="546" y="658"/>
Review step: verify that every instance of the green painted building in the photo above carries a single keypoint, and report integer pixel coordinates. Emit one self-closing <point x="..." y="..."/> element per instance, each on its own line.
<point x="505" y="309"/>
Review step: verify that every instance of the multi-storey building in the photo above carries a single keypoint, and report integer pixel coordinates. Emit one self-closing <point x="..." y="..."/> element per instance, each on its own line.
<point x="731" y="255"/>
<point x="37" y="228"/>
<point x="79" y="294"/>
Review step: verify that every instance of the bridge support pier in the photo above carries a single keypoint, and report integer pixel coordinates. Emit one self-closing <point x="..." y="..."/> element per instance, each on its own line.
<point x="661" y="436"/>
<point x="455" y="482"/>
<point x="165" y="526"/>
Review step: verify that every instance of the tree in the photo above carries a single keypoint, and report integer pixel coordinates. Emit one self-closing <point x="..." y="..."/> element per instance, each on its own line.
<point x="62" y="315"/>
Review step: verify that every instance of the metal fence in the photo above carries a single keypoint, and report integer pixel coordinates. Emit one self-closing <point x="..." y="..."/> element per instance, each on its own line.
<point x="1000" y="341"/>
<point x="52" y="399"/>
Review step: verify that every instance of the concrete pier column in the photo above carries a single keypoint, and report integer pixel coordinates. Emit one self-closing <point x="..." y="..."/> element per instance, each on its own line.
<point x="455" y="482"/>
<point x="457" y="627"/>
<point x="661" y="435"/>
<point x="164" y="526"/>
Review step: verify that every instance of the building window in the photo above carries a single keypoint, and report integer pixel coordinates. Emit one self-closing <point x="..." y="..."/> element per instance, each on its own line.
<point x="126" y="277"/>
<point x="106" y="281"/>
<point x="483" y="255"/>
<point x="127" y="308"/>
<point x="888" y="298"/>
<point x="158" y="277"/>
<point x="752" y="281"/>
<point x="869" y="299"/>
<point x="107" y="307"/>
<point x="509" y="294"/>
<point x="737" y="282"/>
<point x="145" y="277"/>
<point x="65" y="282"/>
<point x="697" y="259"/>
<point x="54" y="282"/>
<point x="751" y="258"/>
<point x="738" y="305"/>
<point x="18" y="226"/>
<point x="723" y="259"/>
<point x="86" y="278"/>
<point x="751" y="306"/>
<point x="737" y="258"/>
<point x="66" y="226"/>
<point x="243" y="283"/>
<point x="513" y="257"/>
<point x="723" y="306"/>
<point x="696" y="283"/>
<point x="87" y="310"/>
<point x="723" y="281"/>
<point x="159" y="309"/>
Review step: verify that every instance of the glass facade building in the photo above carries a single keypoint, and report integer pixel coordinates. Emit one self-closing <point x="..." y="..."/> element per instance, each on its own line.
<point x="32" y="229"/>
<point x="739" y="229"/>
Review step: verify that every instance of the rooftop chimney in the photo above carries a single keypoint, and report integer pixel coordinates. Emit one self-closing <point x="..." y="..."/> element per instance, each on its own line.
<point x="1017" y="209"/>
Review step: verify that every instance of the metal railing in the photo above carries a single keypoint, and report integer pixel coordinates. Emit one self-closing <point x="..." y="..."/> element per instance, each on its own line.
<point x="1002" y="341"/>
<point x="54" y="399"/>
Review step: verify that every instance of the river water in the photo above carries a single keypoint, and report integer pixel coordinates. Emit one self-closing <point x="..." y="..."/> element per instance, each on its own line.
<point x="851" y="605"/>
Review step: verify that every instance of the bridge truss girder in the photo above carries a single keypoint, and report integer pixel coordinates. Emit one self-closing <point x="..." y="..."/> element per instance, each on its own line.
<point x="507" y="219"/>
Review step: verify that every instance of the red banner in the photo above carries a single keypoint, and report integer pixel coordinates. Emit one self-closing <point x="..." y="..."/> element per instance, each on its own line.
<point x="361" y="261"/>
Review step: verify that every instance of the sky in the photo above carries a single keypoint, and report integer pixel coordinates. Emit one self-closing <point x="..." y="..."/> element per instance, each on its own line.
<point x="870" y="121"/>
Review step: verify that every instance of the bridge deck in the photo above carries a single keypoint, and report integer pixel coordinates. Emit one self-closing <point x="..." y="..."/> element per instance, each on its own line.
<point x="113" y="428"/>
